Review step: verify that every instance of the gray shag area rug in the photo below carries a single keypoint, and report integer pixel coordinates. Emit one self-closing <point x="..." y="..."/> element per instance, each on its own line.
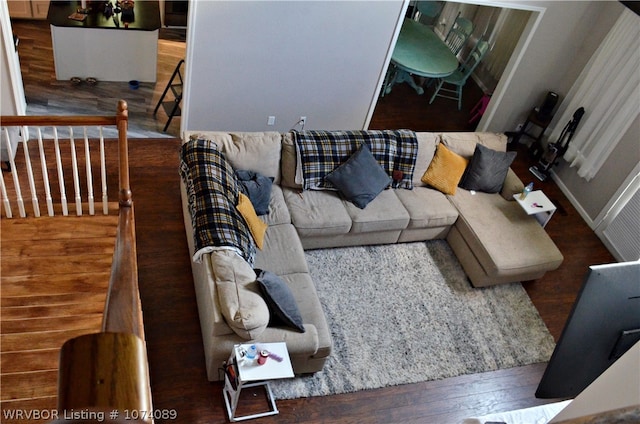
<point x="407" y="313"/>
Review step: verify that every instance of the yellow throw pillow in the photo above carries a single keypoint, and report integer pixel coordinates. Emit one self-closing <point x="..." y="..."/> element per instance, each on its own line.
<point x="445" y="170"/>
<point x="257" y="226"/>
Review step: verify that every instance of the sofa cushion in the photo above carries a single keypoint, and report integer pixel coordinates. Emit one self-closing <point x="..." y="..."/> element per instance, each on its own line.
<point x="487" y="170"/>
<point x="427" y="208"/>
<point x="384" y="213"/>
<point x="256" y="151"/>
<point x="241" y="303"/>
<point x="317" y="213"/>
<point x="503" y="238"/>
<point x="278" y="211"/>
<point x="464" y="143"/>
<point x="304" y="291"/>
<point x="282" y="253"/>
<point x="257" y="227"/>
<point x="257" y="188"/>
<point x="283" y="308"/>
<point x="288" y="162"/>
<point x="427" y="142"/>
<point x="445" y="170"/>
<point x="360" y="179"/>
<point x="512" y="185"/>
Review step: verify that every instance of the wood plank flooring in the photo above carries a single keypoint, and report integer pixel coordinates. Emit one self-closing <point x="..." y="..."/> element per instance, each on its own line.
<point x="173" y="333"/>
<point x="48" y="96"/>
<point x="174" y="342"/>
<point x="55" y="273"/>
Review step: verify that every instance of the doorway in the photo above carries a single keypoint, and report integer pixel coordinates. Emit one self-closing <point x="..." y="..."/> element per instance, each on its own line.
<point x="508" y="30"/>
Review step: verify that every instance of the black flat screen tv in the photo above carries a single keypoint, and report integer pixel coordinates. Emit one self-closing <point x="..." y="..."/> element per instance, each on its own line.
<point x="603" y="324"/>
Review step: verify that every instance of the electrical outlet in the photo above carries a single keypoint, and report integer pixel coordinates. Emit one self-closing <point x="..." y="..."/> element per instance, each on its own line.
<point x="519" y="127"/>
<point x="271" y="120"/>
<point x="303" y="121"/>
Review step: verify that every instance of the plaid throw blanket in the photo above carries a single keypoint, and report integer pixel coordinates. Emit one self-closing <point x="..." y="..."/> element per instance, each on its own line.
<point x="212" y="190"/>
<point x="320" y="152"/>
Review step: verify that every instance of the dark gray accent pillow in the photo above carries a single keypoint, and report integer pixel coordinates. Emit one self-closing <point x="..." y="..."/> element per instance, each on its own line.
<point x="361" y="178"/>
<point x="257" y="188"/>
<point x="283" y="308"/>
<point x="487" y="170"/>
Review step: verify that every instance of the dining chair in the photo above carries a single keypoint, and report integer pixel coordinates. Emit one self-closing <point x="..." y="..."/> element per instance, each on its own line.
<point x="459" y="77"/>
<point x="458" y="34"/>
<point x="428" y="12"/>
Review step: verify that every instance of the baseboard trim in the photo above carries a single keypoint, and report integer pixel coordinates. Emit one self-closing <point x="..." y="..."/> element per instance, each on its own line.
<point x="576" y="204"/>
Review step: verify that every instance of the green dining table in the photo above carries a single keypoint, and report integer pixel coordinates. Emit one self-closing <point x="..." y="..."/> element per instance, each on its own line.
<point x="419" y="51"/>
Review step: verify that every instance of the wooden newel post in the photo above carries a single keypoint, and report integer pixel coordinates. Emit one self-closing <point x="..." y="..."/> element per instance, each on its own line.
<point x="122" y="122"/>
<point x="104" y="372"/>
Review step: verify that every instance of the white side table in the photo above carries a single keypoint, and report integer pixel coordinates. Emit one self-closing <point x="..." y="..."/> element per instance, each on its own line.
<point x="250" y="374"/>
<point x="538" y="205"/>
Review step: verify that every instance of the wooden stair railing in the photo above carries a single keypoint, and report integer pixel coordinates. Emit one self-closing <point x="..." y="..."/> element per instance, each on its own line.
<point x="104" y="377"/>
<point x="16" y="134"/>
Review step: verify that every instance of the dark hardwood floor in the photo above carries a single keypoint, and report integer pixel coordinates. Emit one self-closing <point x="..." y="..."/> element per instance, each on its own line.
<point x="174" y="342"/>
<point x="175" y="346"/>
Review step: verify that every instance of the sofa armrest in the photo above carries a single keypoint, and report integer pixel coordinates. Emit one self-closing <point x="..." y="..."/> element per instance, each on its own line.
<point x="512" y="185"/>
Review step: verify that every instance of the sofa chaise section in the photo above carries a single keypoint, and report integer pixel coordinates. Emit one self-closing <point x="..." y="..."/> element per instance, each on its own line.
<point x="497" y="242"/>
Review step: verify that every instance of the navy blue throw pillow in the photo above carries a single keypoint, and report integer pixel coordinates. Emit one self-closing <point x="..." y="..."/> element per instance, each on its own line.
<point x="257" y="188"/>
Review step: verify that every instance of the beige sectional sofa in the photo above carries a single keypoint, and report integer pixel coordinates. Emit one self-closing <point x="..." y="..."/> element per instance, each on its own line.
<point x="494" y="239"/>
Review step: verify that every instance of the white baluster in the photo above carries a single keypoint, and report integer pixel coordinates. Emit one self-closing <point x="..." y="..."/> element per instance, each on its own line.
<point x="103" y="175"/>
<point x="5" y="197"/>
<point x="45" y="175"/>
<point x="76" y="178"/>
<point x="63" y="193"/>
<point x="14" y="174"/>
<point x="32" y="183"/>
<point x="87" y="155"/>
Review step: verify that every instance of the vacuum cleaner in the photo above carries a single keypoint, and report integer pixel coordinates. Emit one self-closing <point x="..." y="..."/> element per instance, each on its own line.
<point x="558" y="149"/>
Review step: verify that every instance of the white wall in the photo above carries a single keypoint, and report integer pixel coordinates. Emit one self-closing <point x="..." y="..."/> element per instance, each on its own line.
<point x="250" y="60"/>
<point x="593" y="196"/>
<point x="617" y="388"/>
<point x="12" y="100"/>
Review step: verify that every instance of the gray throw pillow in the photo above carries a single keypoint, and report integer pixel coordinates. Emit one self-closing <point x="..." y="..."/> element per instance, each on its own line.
<point x="283" y="307"/>
<point x="361" y="178"/>
<point x="487" y="170"/>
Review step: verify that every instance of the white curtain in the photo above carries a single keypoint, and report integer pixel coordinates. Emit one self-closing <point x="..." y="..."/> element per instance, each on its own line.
<point x="609" y="90"/>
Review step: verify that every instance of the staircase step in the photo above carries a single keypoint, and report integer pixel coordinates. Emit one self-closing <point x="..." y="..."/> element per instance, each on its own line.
<point x="29" y="312"/>
<point x="25" y="326"/>
<point x="38" y="285"/>
<point x="16" y="386"/>
<point x="52" y="339"/>
<point x="34" y="360"/>
<point x="54" y="299"/>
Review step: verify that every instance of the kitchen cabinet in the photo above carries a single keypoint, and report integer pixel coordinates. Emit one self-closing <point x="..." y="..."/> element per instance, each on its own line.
<point x="105" y="48"/>
<point x="28" y="9"/>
